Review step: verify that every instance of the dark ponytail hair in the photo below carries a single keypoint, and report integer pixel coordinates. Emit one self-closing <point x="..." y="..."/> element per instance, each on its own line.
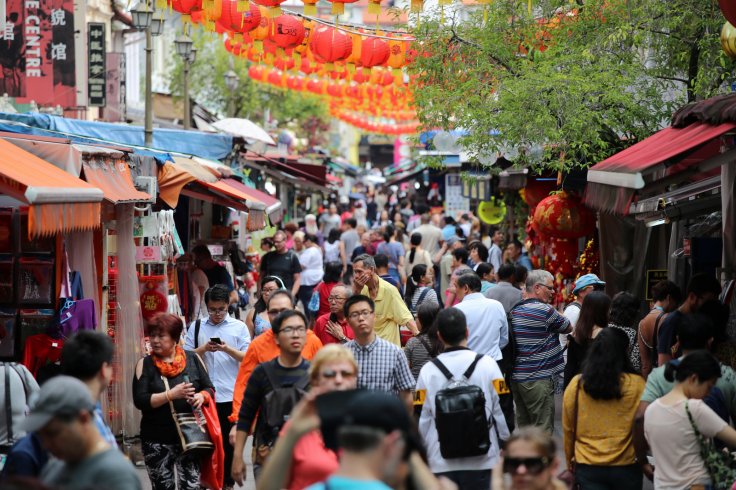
<point x="606" y="361"/>
<point x="427" y="316"/>
<point x="415" y="240"/>
<point x="700" y="363"/>
<point x="417" y="272"/>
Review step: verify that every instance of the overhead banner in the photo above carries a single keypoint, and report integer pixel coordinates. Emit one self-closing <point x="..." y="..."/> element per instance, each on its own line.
<point x="37" y="57"/>
<point x="96" y="64"/>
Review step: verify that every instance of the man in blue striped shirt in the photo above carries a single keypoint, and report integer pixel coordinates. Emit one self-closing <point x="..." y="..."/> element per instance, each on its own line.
<point x="536" y="325"/>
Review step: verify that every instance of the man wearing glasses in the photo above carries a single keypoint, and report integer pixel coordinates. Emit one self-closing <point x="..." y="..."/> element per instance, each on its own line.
<point x="383" y="365"/>
<point x="333" y="327"/>
<point x="221" y="341"/>
<point x="535" y="325"/>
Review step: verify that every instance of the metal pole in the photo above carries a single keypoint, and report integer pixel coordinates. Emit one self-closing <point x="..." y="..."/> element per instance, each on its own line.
<point x="231" y="105"/>
<point x="148" y="128"/>
<point x="187" y="118"/>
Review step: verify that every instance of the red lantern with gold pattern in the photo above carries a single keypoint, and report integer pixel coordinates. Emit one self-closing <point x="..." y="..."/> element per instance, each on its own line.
<point x="563" y="257"/>
<point x="536" y="190"/>
<point x="563" y="216"/>
<point x="235" y="21"/>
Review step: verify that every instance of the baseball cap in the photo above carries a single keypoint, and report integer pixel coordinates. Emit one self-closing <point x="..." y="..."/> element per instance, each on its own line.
<point x="452" y="240"/>
<point x="59" y="396"/>
<point x="587" y="280"/>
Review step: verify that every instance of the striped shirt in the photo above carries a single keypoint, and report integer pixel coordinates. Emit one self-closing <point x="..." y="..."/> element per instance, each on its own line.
<point x="429" y="297"/>
<point x="417" y="354"/>
<point x="535" y="326"/>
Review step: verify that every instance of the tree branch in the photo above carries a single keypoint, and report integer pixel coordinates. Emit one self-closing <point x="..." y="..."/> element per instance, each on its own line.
<point x="493" y="58"/>
<point x="674" y="79"/>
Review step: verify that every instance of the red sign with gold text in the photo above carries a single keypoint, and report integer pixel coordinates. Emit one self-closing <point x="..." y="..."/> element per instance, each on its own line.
<point x="37" y="52"/>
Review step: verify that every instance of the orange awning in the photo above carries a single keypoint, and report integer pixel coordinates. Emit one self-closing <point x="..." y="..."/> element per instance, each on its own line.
<point x="113" y="177"/>
<point x="59" y="202"/>
<point x="256" y="209"/>
<point x="171" y="181"/>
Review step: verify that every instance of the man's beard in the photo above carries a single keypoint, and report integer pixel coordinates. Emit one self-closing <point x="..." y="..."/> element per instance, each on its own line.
<point x="311" y="229"/>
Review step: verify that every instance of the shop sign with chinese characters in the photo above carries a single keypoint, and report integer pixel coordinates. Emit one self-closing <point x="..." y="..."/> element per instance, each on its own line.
<point x="96" y="64"/>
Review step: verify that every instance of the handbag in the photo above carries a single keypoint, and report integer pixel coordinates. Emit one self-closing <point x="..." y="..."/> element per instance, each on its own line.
<point x="568" y="476"/>
<point x="193" y="435"/>
<point x="720" y="464"/>
<point x="313" y="305"/>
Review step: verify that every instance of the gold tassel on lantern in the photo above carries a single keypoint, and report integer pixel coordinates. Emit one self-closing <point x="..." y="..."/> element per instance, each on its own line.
<point x="374" y="8"/>
<point x="338" y="8"/>
<point x="243" y="6"/>
<point x="162" y="4"/>
<point x="417" y="5"/>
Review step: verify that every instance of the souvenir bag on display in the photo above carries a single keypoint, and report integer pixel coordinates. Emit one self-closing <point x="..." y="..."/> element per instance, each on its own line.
<point x="193" y="435"/>
<point x="313" y="305"/>
<point x="721" y="465"/>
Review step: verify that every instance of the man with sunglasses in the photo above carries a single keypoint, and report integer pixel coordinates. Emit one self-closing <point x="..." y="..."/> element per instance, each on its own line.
<point x="535" y="326"/>
<point x="221" y="341"/>
<point x="468" y="472"/>
<point x="265" y="348"/>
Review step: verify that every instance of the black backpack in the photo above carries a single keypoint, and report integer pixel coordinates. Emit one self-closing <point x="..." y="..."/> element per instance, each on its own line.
<point x="462" y="424"/>
<point x="278" y="404"/>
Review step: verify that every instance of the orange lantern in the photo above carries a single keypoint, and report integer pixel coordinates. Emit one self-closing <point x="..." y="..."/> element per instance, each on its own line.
<point x="354" y="58"/>
<point x="563" y="216"/>
<point x="260" y="33"/>
<point x="330" y="45"/>
<point x="288" y="32"/>
<point x="186" y="8"/>
<point x="375" y="52"/>
<point x="397" y="57"/>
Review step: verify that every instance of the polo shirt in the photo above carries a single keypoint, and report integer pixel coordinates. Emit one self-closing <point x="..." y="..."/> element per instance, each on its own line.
<point x="488" y="330"/>
<point x="383" y="366"/>
<point x="391" y="312"/>
<point x="320" y="330"/>
<point x="222" y="368"/>
<point x="505" y="293"/>
<point x="262" y="349"/>
<point x="488" y="377"/>
<point x="535" y="327"/>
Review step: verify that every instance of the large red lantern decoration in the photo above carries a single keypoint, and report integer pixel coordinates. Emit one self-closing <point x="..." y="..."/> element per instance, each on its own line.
<point x="563" y="216"/>
<point x="374" y="52"/>
<point x="536" y="190"/>
<point x="288" y="32"/>
<point x="728" y="7"/>
<point x="563" y="257"/>
<point x="233" y="20"/>
<point x="330" y="45"/>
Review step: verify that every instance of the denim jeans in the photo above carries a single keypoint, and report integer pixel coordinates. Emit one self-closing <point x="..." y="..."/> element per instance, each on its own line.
<point x="470" y="479"/>
<point x="591" y="477"/>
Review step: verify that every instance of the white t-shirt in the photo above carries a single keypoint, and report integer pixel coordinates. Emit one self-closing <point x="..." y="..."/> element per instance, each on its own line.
<point x="674" y="445"/>
<point x="572" y="313"/>
<point x="311" y="262"/>
<point x="488" y="376"/>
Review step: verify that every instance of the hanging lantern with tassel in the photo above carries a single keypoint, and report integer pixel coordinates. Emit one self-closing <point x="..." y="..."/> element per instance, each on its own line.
<point x="330" y="45"/>
<point x="374" y="52"/>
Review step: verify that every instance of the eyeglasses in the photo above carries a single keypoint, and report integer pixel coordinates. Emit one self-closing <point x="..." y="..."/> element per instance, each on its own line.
<point x="335" y="299"/>
<point x="292" y="330"/>
<point x="357" y="314"/>
<point x="276" y="312"/>
<point x="218" y="311"/>
<point x="269" y="291"/>
<point x="549" y="288"/>
<point x="534" y="466"/>
<point x="278" y="241"/>
<point x="331" y="373"/>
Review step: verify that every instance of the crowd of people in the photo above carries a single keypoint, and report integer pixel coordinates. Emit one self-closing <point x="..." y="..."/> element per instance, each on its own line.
<point x="406" y="353"/>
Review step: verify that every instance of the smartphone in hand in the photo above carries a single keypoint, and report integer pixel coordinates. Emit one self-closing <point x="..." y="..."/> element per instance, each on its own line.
<point x="215" y="340"/>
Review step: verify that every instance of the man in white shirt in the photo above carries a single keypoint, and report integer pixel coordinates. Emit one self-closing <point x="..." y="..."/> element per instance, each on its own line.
<point x="466" y="472"/>
<point x="487" y="324"/>
<point x="431" y="235"/>
<point x="495" y="254"/>
<point x="221" y="341"/>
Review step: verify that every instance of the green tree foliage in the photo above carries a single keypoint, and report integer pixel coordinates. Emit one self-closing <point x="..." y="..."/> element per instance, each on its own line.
<point x="581" y="80"/>
<point x="297" y="111"/>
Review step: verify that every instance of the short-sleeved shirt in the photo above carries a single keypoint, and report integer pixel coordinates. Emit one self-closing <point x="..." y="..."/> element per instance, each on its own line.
<point x="391" y="312"/>
<point x="283" y="266"/>
<point x="535" y="326"/>
<point x="320" y="330"/>
<point x="383" y="366"/>
<point x="341" y="483"/>
<point x="667" y="335"/>
<point x="506" y="294"/>
<point x="350" y="239"/>
<point x="109" y="466"/>
<point x="657" y="386"/>
<point x="330" y="221"/>
<point x="219" y="275"/>
<point x="394" y="251"/>
<point x="222" y="367"/>
<point x="311" y="461"/>
<point x="675" y="446"/>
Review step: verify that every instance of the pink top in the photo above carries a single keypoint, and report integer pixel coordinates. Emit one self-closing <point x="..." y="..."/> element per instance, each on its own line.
<point x="311" y="461"/>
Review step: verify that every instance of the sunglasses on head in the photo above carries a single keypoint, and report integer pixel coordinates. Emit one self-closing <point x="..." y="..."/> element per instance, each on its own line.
<point x="534" y="466"/>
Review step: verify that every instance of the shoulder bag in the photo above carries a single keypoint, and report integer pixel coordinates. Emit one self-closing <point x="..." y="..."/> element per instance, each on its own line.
<point x="193" y="435"/>
<point x="720" y="465"/>
<point x="568" y="476"/>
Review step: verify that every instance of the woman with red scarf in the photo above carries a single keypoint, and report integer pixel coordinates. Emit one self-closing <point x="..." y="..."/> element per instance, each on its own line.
<point x="187" y="381"/>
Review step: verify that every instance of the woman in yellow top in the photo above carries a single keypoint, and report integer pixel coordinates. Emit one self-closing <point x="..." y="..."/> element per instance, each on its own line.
<point x="603" y="401"/>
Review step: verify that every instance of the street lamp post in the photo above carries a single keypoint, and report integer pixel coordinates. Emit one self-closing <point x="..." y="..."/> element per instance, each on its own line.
<point x="143" y="18"/>
<point x="231" y="82"/>
<point x="185" y="49"/>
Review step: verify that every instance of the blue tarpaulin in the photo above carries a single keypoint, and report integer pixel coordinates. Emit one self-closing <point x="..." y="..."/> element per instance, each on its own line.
<point x="205" y="145"/>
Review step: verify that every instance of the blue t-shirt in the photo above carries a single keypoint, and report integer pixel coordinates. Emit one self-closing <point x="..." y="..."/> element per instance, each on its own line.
<point x="26" y="458"/>
<point x="340" y="483"/>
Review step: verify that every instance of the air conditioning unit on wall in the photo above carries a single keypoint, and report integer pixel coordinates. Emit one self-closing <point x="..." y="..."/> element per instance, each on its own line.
<point x="149" y="185"/>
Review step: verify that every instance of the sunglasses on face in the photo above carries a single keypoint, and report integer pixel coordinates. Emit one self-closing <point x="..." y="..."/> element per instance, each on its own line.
<point x="534" y="466"/>
<point x="331" y="373"/>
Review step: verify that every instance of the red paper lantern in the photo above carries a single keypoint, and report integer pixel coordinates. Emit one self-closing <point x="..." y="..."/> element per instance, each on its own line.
<point x="316" y="86"/>
<point x="728" y="7"/>
<point x="563" y="216"/>
<point x="398" y="51"/>
<point x="563" y="257"/>
<point x="536" y="190"/>
<point x="295" y="82"/>
<point x="288" y="31"/>
<point x="235" y="21"/>
<point x="257" y="72"/>
<point x="374" y="52"/>
<point x="329" y="45"/>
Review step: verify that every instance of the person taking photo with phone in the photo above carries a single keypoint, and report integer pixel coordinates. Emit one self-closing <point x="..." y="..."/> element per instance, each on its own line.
<point x="221" y="341"/>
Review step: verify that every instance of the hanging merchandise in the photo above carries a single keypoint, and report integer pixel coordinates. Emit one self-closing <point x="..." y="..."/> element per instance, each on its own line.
<point x="153" y="300"/>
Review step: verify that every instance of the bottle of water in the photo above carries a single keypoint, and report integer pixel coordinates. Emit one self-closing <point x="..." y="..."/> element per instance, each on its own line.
<point x="198" y="415"/>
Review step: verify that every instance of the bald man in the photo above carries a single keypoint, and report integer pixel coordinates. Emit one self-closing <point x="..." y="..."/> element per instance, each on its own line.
<point x="332" y="327"/>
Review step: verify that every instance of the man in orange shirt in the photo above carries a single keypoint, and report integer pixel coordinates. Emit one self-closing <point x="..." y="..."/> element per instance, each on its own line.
<point x="264" y="348"/>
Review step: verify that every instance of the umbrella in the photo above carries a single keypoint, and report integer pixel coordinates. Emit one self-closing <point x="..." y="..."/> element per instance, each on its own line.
<point x="244" y="128"/>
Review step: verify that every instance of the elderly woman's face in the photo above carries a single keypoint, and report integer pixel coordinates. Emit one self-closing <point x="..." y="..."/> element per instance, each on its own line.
<point x="162" y="345"/>
<point x="337" y="376"/>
